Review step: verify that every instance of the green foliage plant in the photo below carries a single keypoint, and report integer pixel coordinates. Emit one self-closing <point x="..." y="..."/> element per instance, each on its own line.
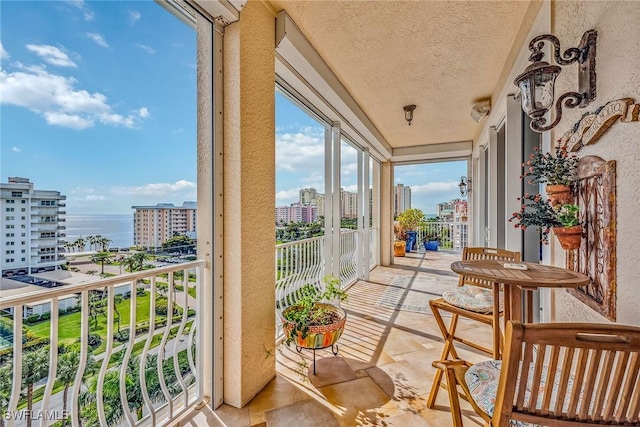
<point x="410" y="219"/>
<point x="309" y="310"/>
<point x="536" y="212"/>
<point x="553" y="169"/>
<point x="568" y="215"/>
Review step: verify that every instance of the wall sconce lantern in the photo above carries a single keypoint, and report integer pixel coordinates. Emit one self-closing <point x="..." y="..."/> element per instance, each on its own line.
<point x="408" y="113"/>
<point x="465" y="186"/>
<point x="537" y="82"/>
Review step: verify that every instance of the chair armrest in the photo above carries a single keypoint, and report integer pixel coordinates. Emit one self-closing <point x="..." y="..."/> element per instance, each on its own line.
<point x="451" y="364"/>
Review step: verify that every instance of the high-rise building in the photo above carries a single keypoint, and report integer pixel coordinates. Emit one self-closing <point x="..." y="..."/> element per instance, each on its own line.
<point x="401" y="199"/>
<point x="153" y="225"/>
<point x="32" y="228"/>
<point x="308" y="196"/>
<point x="348" y="204"/>
<point x="454" y="210"/>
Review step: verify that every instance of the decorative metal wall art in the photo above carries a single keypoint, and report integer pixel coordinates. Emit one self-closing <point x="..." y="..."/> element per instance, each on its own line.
<point x="596" y="257"/>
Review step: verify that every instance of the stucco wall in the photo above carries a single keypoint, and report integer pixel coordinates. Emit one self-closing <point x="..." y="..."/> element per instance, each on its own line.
<point x="249" y="198"/>
<point x="618" y="74"/>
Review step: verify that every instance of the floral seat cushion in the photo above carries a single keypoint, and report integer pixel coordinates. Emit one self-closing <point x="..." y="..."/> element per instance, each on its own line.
<point x="471" y="298"/>
<point x="482" y="380"/>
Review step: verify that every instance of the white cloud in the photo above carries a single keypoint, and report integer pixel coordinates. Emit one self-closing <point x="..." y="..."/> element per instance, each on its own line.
<point x="58" y="101"/>
<point x="301" y="151"/>
<point x="146" y="48"/>
<point x="434" y="188"/>
<point x="16" y="149"/>
<point x="157" y="190"/>
<point x="80" y="4"/>
<point x="51" y="55"/>
<point x="3" y="53"/>
<point x="286" y="197"/>
<point x="98" y="39"/>
<point x="94" y="197"/>
<point x="134" y="16"/>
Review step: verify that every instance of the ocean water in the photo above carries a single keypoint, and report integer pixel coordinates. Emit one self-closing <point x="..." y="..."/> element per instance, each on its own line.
<point x="116" y="227"/>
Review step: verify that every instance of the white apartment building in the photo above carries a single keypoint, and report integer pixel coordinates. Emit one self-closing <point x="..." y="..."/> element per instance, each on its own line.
<point x="32" y="228"/>
<point x="153" y="225"/>
<point x="401" y="199"/>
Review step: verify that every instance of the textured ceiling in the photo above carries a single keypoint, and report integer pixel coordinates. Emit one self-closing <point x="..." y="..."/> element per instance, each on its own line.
<point x="443" y="56"/>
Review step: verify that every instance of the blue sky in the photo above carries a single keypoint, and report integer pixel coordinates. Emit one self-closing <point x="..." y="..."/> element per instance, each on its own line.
<point x="97" y="101"/>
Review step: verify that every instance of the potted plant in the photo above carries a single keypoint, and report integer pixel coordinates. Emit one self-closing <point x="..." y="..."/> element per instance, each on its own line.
<point x="569" y="234"/>
<point x="536" y="212"/>
<point x="400" y="242"/>
<point x="431" y="242"/>
<point x="313" y="322"/>
<point x="409" y="221"/>
<point x="556" y="170"/>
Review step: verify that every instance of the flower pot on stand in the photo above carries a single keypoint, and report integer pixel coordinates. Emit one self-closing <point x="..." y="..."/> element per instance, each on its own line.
<point x="569" y="237"/>
<point x="558" y="194"/>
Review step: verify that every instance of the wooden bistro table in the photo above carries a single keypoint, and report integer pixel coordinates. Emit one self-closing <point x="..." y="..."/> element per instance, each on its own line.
<point x="515" y="283"/>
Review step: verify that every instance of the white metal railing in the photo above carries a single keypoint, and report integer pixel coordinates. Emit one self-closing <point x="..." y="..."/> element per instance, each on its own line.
<point x="300" y="264"/>
<point x="153" y="368"/>
<point x="451" y="235"/>
<point x="348" y="267"/>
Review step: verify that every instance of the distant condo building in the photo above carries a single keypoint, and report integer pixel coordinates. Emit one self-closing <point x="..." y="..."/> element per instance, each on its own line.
<point x="454" y="210"/>
<point x="32" y="228"/>
<point x="401" y="199"/>
<point x="296" y="213"/>
<point x="153" y="225"/>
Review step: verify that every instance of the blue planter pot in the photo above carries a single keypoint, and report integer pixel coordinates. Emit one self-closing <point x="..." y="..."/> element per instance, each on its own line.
<point x="431" y="245"/>
<point x="411" y="240"/>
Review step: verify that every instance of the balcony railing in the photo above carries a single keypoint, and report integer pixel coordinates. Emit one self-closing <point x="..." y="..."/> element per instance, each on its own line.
<point x="129" y="338"/>
<point x="451" y="235"/>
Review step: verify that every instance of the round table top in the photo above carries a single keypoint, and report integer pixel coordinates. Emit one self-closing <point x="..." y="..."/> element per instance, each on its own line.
<point x="535" y="276"/>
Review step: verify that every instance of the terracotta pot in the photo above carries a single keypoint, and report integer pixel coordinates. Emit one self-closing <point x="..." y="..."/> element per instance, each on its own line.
<point x="318" y="336"/>
<point x="569" y="237"/>
<point x="558" y="194"/>
<point x="399" y="248"/>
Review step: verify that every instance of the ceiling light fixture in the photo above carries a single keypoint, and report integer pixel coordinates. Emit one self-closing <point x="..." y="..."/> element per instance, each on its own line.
<point x="537" y="81"/>
<point x="408" y="113"/>
<point x="480" y="110"/>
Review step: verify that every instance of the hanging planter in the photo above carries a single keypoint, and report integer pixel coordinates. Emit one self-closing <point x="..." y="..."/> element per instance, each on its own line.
<point x="569" y="237"/>
<point x="559" y="194"/>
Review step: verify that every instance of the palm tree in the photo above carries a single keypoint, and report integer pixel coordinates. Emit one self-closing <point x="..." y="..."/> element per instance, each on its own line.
<point x="140" y="258"/>
<point x="103" y="242"/>
<point x="68" y="364"/>
<point x="129" y="262"/>
<point x="92" y="240"/>
<point x="35" y="366"/>
<point x="101" y="258"/>
<point x="117" y="299"/>
<point x="79" y="243"/>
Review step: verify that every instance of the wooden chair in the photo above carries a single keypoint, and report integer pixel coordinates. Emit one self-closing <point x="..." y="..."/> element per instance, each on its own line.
<point x="473" y="299"/>
<point x="577" y="374"/>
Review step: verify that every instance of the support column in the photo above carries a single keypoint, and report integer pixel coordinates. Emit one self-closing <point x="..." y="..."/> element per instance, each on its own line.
<point x="386" y="213"/>
<point x="249" y="200"/>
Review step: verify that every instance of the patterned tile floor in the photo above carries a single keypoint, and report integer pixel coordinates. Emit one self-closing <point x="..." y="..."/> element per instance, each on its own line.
<point x="382" y="375"/>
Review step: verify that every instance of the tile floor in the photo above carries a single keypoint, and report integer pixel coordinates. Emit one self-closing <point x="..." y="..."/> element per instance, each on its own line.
<point x="382" y="375"/>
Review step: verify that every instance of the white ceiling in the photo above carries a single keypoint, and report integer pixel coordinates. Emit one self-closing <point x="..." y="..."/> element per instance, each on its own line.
<point x="443" y="56"/>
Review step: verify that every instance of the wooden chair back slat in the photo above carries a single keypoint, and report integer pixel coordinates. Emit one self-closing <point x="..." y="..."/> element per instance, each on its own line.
<point x="537" y="376"/>
<point x="616" y="385"/>
<point x="593" y="375"/>
<point x="564" y="381"/>
<point x="524" y="374"/>
<point x="630" y="385"/>
<point x="594" y="365"/>
<point x="603" y="382"/>
<point x="551" y="373"/>
<point x="481" y="253"/>
<point x="576" y="390"/>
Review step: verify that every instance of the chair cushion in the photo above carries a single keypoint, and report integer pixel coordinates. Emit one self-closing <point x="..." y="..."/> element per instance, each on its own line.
<point x="482" y="380"/>
<point x="470" y="298"/>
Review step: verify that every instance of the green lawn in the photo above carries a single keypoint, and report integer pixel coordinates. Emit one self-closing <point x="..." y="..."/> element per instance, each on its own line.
<point x="69" y="324"/>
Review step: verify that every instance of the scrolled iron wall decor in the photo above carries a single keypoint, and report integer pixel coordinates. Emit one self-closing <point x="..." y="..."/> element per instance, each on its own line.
<point x="596" y="195"/>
